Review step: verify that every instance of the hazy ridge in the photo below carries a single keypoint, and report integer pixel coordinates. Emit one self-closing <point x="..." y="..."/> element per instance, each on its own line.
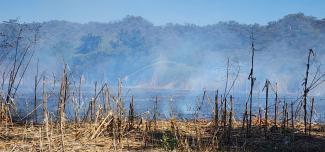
<point x="182" y="56"/>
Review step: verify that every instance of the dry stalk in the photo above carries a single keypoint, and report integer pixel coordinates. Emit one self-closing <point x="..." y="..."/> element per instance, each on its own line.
<point x="63" y="98"/>
<point x="230" y="118"/>
<point x="306" y="90"/>
<point x="266" y="86"/>
<point x="311" y="113"/>
<point x="216" y="110"/>
<point x="155" y="114"/>
<point x="102" y="126"/>
<point x="276" y="105"/>
<point x="46" y="118"/>
<point x="107" y="99"/>
<point x="292" y="117"/>
<point x="131" y="115"/>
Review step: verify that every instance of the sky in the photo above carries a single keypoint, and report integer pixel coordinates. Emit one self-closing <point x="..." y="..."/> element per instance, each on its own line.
<point x="159" y="12"/>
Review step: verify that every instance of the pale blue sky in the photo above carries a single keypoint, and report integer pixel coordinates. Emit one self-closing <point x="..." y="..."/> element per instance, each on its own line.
<point x="159" y="12"/>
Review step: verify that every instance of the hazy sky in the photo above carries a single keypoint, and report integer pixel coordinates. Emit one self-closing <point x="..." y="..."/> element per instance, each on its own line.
<point x="159" y="12"/>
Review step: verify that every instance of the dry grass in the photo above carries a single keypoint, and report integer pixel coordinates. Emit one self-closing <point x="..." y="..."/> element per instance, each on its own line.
<point x="189" y="135"/>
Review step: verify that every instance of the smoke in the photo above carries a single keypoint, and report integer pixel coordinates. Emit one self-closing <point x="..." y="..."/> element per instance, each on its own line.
<point x="175" y="56"/>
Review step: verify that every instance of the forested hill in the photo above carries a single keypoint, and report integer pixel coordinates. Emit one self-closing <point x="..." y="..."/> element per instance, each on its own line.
<point x="183" y="56"/>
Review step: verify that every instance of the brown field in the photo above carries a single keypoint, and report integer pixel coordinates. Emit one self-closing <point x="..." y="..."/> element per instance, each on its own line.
<point x="166" y="135"/>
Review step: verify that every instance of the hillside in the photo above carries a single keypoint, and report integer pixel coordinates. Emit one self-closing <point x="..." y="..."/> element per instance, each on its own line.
<point x="181" y="56"/>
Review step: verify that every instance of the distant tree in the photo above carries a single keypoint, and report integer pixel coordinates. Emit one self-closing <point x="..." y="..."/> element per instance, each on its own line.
<point x="89" y="43"/>
<point x="128" y="40"/>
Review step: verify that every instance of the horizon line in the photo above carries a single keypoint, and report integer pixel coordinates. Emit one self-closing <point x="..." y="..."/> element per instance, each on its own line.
<point x="167" y="23"/>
